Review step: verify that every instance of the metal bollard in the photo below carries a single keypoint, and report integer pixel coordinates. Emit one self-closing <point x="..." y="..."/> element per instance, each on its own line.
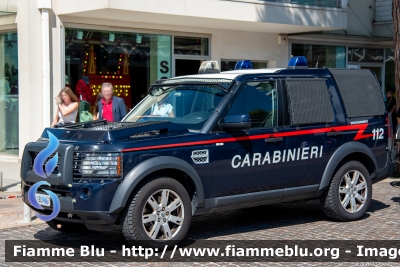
<point x="27" y="214"/>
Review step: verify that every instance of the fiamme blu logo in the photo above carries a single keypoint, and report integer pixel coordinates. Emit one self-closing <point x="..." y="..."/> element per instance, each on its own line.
<point x="37" y="199"/>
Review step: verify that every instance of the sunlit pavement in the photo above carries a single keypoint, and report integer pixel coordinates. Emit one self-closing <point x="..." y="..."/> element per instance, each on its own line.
<point x="301" y="220"/>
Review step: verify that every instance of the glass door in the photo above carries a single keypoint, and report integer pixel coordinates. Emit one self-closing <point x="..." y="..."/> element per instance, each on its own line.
<point x="9" y="93"/>
<point x="189" y="53"/>
<point x="187" y="66"/>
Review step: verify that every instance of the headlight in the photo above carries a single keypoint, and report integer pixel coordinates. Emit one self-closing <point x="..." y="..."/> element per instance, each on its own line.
<point x="98" y="164"/>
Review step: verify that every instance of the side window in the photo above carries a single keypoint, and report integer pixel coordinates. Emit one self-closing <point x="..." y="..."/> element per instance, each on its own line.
<point x="308" y="101"/>
<point x="259" y="100"/>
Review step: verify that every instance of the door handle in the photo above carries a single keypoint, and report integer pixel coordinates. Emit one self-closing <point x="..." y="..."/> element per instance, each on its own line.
<point x="335" y="134"/>
<point x="274" y="140"/>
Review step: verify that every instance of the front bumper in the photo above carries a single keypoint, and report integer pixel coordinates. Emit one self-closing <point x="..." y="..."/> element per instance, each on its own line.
<point x="85" y="201"/>
<point x="69" y="207"/>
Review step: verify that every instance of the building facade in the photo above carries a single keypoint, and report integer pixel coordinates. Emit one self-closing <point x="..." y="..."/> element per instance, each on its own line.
<point x="46" y="45"/>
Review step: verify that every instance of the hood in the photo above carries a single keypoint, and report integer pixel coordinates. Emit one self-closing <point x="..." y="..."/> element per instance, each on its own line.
<point x="109" y="132"/>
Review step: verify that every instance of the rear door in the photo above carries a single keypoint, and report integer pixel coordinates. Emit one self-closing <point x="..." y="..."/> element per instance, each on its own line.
<point x="311" y="134"/>
<point x="249" y="161"/>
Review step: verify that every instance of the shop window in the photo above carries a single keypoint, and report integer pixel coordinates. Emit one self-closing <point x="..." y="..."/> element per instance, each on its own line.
<point x="365" y="55"/>
<point x="230" y="64"/>
<point x="193" y="46"/>
<point x="9" y="93"/>
<point x="130" y="61"/>
<point x="321" y="56"/>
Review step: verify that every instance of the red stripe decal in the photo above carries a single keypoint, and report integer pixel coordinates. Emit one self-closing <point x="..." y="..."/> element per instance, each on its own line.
<point x="359" y="127"/>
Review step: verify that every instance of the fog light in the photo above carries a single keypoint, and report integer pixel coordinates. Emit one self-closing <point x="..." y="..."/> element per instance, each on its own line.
<point x="85" y="193"/>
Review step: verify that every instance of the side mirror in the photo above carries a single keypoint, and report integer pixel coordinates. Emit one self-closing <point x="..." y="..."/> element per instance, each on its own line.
<point x="235" y="122"/>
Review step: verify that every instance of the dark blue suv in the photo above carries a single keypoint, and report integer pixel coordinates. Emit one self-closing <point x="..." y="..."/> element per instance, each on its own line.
<point x="212" y="142"/>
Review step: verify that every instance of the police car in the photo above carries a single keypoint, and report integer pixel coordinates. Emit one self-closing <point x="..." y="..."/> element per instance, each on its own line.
<point x="219" y="141"/>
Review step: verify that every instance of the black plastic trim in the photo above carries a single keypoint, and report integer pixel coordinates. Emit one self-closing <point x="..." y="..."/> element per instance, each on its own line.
<point x="247" y="198"/>
<point x="343" y="151"/>
<point x="146" y="168"/>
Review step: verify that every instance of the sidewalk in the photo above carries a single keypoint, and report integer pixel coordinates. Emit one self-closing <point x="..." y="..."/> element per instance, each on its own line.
<point x="12" y="209"/>
<point x="10" y="167"/>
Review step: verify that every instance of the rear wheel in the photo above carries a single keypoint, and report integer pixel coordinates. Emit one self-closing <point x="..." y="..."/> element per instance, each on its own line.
<point x="66" y="227"/>
<point x="349" y="194"/>
<point x="160" y="211"/>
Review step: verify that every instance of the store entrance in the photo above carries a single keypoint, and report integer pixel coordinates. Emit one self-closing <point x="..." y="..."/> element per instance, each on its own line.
<point x="186" y="66"/>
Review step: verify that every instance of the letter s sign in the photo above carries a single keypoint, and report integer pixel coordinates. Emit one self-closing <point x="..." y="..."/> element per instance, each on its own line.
<point x="164" y="68"/>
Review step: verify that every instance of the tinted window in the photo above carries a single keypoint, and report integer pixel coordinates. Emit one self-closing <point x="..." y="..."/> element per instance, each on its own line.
<point x="259" y="99"/>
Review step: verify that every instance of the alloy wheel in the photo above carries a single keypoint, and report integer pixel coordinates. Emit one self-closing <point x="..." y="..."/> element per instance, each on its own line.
<point x="163" y="215"/>
<point x="353" y="191"/>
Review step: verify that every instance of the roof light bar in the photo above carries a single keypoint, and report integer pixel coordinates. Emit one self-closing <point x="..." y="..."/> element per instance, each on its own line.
<point x="298" y="63"/>
<point x="243" y="64"/>
<point x="209" y="67"/>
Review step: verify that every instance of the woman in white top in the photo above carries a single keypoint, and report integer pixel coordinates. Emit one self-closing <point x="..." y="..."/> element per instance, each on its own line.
<point x="162" y="109"/>
<point x="67" y="107"/>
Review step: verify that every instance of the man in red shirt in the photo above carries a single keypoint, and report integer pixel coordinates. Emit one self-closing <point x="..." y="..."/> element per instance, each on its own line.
<point x="84" y="93"/>
<point x="111" y="108"/>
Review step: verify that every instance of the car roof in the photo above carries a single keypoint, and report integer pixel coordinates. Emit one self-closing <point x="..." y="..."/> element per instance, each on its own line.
<point x="230" y="74"/>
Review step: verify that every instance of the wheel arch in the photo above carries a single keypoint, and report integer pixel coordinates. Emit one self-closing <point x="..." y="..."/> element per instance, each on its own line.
<point x="167" y="166"/>
<point x="349" y="151"/>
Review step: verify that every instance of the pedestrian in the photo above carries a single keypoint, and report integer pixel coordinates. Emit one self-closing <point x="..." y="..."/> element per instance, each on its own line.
<point x="96" y="107"/>
<point x="391" y="107"/>
<point x="111" y="108"/>
<point x="84" y="93"/>
<point x="67" y="107"/>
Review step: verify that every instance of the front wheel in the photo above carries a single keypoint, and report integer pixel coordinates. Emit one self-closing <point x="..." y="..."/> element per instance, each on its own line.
<point x="349" y="194"/>
<point x="160" y="211"/>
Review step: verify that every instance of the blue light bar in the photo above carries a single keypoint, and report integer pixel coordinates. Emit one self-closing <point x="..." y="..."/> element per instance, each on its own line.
<point x="298" y="62"/>
<point x="243" y="64"/>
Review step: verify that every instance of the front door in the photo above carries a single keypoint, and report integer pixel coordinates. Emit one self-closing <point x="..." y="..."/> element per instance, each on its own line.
<point x="251" y="161"/>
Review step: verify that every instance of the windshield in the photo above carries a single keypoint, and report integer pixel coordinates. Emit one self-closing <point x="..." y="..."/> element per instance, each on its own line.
<point x="187" y="105"/>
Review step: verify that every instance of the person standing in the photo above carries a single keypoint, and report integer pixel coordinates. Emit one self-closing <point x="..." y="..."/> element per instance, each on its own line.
<point x="67" y="107"/>
<point x="391" y="107"/>
<point x="111" y="108"/>
<point x="85" y="95"/>
<point x="96" y="108"/>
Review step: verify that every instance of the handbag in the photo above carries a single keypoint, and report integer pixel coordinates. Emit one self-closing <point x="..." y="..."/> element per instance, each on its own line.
<point x="85" y="116"/>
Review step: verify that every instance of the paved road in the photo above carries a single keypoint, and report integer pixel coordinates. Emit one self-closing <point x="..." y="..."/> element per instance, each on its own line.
<point x="303" y="220"/>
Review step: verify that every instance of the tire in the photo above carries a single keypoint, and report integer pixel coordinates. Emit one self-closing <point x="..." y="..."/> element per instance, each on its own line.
<point x="66" y="227"/>
<point x="159" y="213"/>
<point x="353" y="200"/>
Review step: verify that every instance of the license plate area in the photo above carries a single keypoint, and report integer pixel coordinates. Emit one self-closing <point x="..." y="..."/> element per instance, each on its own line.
<point x="43" y="200"/>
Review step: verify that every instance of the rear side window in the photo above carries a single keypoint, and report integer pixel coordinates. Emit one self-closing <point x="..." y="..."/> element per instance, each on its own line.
<point x="308" y="101"/>
<point x="360" y="92"/>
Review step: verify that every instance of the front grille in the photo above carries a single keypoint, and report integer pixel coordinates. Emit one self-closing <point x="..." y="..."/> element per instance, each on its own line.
<point x="97" y="165"/>
<point x="57" y="189"/>
<point x="34" y="155"/>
